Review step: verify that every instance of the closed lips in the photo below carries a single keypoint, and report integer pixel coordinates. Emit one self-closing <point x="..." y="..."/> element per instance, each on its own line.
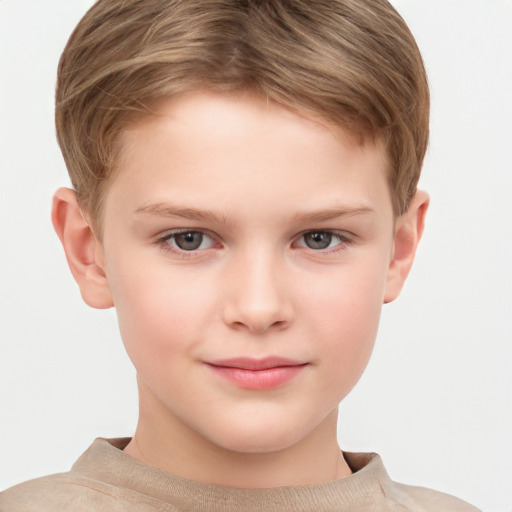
<point x="257" y="374"/>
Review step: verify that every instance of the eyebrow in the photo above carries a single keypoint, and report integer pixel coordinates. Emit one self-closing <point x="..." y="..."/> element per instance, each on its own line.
<point x="332" y="213"/>
<point x="168" y="210"/>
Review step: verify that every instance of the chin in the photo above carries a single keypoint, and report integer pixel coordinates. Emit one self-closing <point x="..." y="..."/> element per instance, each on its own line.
<point x="249" y="447"/>
<point x="257" y="439"/>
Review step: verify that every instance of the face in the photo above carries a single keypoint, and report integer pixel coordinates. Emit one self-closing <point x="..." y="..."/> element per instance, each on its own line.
<point x="247" y="251"/>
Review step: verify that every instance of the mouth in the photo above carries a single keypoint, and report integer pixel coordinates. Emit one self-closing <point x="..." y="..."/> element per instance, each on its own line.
<point x="257" y="374"/>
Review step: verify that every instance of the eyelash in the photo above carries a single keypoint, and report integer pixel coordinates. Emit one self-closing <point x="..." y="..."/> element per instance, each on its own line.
<point x="344" y="242"/>
<point x="163" y="242"/>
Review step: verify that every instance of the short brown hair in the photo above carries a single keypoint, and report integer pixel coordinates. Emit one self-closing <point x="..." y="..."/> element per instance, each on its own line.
<point x="353" y="62"/>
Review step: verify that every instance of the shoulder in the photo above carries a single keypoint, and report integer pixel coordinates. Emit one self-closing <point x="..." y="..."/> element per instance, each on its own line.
<point x="62" y="492"/>
<point x="428" y="500"/>
<point x="391" y="495"/>
<point x="74" y="492"/>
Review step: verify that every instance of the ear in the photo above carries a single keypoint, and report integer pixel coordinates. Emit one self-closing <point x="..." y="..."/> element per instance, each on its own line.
<point x="83" y="250"/>
<point x="408" y="231"/>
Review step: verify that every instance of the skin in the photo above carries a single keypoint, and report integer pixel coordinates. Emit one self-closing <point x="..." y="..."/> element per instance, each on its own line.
<point x="252" y="181"/>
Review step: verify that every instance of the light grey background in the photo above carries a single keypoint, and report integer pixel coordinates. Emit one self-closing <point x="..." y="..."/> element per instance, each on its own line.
<point x="436" y="398"/>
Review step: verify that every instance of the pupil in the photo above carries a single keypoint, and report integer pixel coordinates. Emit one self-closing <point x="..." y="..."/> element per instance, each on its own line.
<point x="318" y="240"/>
<point x="189" y="241"/>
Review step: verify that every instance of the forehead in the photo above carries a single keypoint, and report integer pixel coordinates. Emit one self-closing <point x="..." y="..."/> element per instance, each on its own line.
<point x="235" y="115"/>
<point x="239" y="144"/>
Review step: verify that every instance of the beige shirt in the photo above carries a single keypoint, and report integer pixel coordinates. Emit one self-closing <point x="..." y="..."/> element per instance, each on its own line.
<point x="106" y="479"/>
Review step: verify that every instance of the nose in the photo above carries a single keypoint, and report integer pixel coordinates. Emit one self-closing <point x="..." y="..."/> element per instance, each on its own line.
<point x="257" y="297"/>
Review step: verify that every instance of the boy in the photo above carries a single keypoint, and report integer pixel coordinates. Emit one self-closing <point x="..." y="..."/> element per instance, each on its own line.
<point x="245" y="195"/>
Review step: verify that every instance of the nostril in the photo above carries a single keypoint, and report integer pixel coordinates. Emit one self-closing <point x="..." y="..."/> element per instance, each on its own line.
<point x="257" y="300"/>
<point x="256" y="323"/>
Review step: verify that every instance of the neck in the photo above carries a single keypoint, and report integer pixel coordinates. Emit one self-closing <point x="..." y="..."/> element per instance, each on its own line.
<point x="162" y="440"/>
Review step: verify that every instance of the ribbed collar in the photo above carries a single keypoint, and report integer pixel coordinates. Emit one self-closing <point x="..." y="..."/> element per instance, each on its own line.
<point x="105" y="461"/>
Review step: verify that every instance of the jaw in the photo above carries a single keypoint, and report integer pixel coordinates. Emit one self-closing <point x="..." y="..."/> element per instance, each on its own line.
<point x="284" y="458"/>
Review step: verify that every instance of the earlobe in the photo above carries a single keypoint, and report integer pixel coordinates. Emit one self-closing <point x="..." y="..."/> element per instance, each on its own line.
<point x="84" y="252"/>
<point x="409" y="228"/>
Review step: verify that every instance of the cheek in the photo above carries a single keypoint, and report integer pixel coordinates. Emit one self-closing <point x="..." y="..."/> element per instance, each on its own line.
<point x="345" y="318"/>
<point x="157" y="309"/>
<point x="350" y="299"/>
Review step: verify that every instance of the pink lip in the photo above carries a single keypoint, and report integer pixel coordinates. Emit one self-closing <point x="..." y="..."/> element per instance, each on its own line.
<point x="249" y="373"/>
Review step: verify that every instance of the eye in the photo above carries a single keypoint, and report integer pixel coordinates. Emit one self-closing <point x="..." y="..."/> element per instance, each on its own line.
<point x="188" y="241"/>
<point x="320" y="240"/>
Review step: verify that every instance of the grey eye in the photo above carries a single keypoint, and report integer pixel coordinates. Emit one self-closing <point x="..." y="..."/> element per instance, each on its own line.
<point x="318" y="239"/>
<point x="189" y="241"/>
